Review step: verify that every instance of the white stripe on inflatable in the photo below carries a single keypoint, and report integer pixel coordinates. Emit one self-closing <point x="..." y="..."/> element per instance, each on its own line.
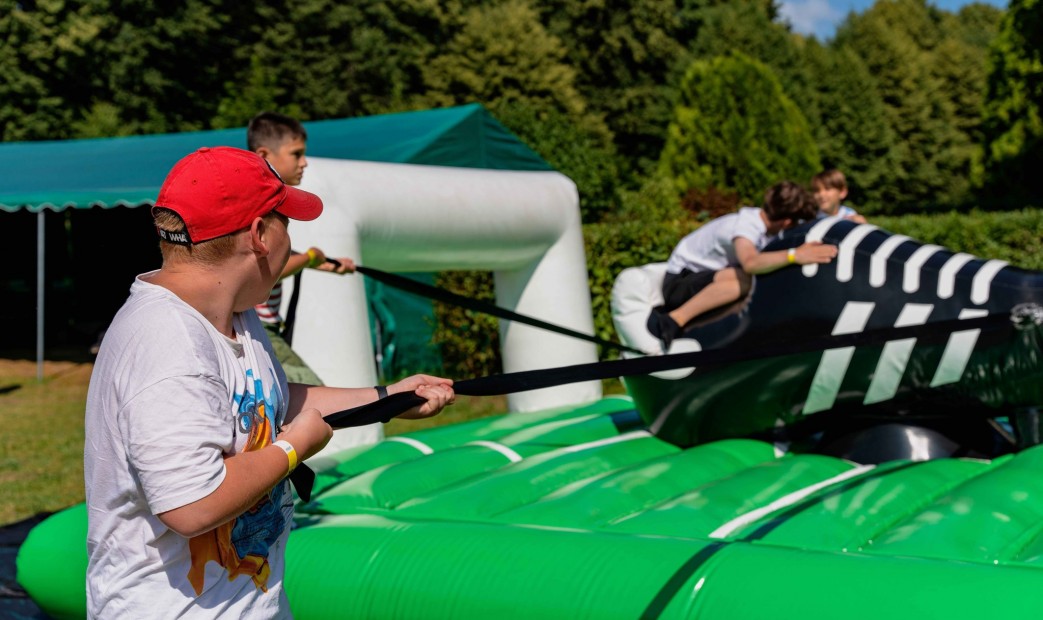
<point x="947" y="275"/>
<point x="833" y="365"/>
<point x="607" y="441"/>
<point x="957" y="351"/>
<point x="817" y="233"/>
<point x="878" y="263"/>
<point x="846" y="251"/>
<point x="784" y="502"/>
<point x="911" y="281"/>
<point x="982" y="282"/>
<point x="421" y="447"/>
<point x="511" y="455"/>
<point x="895" y="356"/>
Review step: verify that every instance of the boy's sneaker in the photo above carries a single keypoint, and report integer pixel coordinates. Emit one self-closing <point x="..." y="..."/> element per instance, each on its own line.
<point x="663" y="327"/>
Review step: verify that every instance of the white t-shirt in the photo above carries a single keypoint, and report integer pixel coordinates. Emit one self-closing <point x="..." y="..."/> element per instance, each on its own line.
<point x="169" y="396"/>
<point x="842" y="211"/>
<point x="710" y="247"/>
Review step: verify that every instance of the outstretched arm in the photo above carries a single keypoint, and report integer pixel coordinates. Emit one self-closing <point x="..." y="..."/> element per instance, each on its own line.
<point x="755" y="262"/>
<point x="315" y="258"/>
<point x="436" y="391"/>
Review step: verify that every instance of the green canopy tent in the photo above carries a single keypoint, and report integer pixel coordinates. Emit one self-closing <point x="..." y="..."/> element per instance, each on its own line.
<point x="128" y="171"/>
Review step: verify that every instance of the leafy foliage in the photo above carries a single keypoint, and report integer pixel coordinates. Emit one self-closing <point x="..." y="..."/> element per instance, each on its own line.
<point x="500" y="54"/>
<point x="626" y="54"/>
<point x="736" y="130"/>
<point x="929" y="81"/>
<point x="470" y="341"/>
<point x="638" y="101"/>
<point x="1013" y="124"/>
<point x="1013" y="236"/>
<point x="576" y="153"/>
<point x="851" y="128"/>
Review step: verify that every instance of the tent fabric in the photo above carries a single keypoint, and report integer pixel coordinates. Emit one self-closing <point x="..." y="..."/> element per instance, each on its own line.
<point x="128" y="171"/>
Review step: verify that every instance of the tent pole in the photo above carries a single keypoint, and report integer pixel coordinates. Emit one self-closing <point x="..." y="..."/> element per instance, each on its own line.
<point x="39" y="295"/>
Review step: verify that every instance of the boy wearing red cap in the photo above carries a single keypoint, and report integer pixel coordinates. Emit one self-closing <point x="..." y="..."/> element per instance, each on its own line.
<point x="191" y="426"/>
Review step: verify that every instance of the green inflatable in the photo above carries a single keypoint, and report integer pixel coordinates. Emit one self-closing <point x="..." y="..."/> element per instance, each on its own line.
<point x="580" y="513"/>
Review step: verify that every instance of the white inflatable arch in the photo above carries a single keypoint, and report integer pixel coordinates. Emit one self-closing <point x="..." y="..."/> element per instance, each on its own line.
<point x="522" y="226"/>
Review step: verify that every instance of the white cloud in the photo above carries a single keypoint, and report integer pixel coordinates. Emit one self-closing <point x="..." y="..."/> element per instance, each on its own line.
<point x="811" y="16"/>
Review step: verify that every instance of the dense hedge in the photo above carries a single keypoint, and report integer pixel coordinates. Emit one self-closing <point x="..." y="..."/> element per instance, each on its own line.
<point x="1014" y="236"/>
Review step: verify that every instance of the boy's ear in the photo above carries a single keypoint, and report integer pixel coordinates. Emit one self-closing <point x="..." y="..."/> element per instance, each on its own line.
<point x="843" y="193"/>
<point x="259" y="236"/>
<point x="263" y="151"/>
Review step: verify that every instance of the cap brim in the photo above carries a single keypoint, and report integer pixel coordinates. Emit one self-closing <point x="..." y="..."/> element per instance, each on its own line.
<point x="300" y="205"/>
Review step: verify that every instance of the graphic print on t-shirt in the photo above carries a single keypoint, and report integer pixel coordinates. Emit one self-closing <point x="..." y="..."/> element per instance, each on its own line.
<point x="241" y="545"/>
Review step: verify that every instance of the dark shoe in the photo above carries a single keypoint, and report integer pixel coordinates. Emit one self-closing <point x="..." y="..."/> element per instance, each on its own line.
<point x="663" y="327"/>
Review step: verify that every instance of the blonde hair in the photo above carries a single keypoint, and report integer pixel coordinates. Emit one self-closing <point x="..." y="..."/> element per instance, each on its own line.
<point x="205" y="252"/>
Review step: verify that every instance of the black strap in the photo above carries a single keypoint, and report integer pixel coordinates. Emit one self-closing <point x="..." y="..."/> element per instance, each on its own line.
<point x="303" y="479"/>
<point x="437" y="294"/>
<point x="385" y="409"/>
<point x="291" y="312"/>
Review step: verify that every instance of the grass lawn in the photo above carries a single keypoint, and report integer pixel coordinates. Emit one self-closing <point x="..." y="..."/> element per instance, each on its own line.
<point x="41" y="448"/>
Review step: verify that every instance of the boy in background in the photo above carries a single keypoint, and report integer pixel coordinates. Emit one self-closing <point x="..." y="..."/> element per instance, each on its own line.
<point x="830" y="187"/>
<point x="281" y="140"/>
<point x="712" y="266"/>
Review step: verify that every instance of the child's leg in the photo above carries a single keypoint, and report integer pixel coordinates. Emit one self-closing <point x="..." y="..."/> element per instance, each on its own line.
<point x="726" y="287"/>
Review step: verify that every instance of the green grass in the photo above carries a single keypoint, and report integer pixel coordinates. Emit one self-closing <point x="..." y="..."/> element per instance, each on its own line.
<point x="41" y="447"/>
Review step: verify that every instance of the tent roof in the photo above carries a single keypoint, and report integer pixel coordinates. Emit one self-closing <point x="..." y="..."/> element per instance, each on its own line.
<point x="128" y="171"/>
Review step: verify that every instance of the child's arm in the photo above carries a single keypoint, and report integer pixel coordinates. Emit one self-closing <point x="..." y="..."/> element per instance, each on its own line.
<point x="248" y="477"/>
<point x="436" y="390"/>
<point x="754" y="261"/>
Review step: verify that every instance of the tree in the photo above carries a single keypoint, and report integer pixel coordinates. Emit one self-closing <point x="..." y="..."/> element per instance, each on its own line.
<point x="502" y="54"/>
<point x="904" y="44"/>
<point x="850" y="125"/>
<point x="577" y="154"/>
<point x="47" y="60"/>
<point x="342" y="59"/>
<point x="735" y="130"/>
<point x="1013" y="123"/>
<point x="628" y="56"/>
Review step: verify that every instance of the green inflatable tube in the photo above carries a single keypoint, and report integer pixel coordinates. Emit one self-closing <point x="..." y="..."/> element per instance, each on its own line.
<point x="52" y="563"/>
<point x="570" y="515"/>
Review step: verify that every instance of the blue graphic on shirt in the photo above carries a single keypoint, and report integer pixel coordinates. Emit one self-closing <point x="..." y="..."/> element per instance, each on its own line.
<point x="242" y="546"/>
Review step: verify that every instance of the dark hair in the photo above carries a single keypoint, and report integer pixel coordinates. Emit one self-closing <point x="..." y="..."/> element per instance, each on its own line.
<point x="788" y="200"/>
<point x="829" y="179"/>
<point x="271" y="128"/>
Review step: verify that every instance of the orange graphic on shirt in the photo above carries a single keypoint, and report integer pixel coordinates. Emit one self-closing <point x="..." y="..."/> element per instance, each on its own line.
<point x="219" y="545"/>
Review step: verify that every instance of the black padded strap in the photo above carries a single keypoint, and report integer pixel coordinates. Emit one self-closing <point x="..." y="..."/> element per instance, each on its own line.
<point x="387" y="408"/>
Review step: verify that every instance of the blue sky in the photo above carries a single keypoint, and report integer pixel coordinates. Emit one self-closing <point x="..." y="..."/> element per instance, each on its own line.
<point x="821" y="17"/>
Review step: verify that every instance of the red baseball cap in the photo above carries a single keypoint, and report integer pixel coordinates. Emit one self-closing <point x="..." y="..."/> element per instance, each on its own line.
<point x="218" y="191"/>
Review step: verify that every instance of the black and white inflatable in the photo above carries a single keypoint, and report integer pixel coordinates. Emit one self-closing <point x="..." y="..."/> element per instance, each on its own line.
<point x="934" y="389"/>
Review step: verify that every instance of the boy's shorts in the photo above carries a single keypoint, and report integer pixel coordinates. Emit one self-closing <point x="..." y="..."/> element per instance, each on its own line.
<point x="680" y="287"/>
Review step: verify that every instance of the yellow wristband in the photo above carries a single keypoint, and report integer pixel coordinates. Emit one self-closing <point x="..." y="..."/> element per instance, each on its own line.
<point x="313" y="261"/>
<point x="291" y="454"/>
<point x="791" y="256"/>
